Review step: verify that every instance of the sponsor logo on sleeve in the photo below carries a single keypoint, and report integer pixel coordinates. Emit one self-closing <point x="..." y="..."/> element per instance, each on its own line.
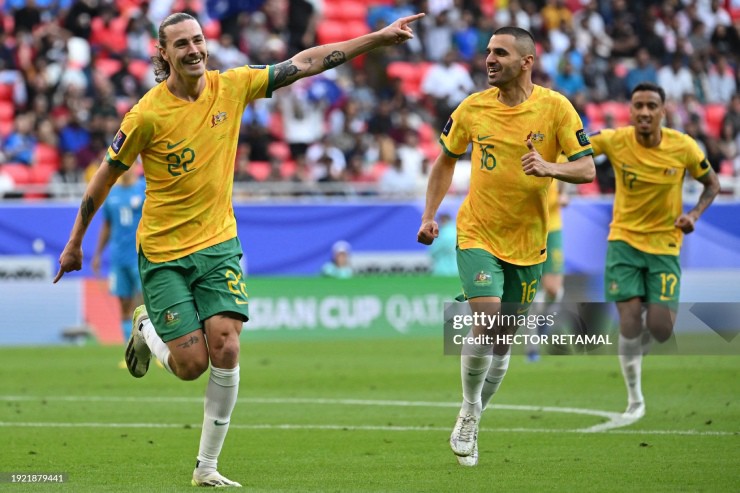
<point x="257" y="67"/>
<point x="704" y="164"/>
<point x="582" y="137"/>
<point x="118" y="141"/>
<point x="448" y="127"/>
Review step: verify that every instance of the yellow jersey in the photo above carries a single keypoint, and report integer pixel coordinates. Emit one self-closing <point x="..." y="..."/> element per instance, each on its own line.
<point x="505" y="212"/>
<point x="555" y="221"/>
<point x="649" y="183"/>
<point x="188" y="150"/>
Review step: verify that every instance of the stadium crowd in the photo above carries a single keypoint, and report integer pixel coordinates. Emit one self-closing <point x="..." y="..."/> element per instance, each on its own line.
<point x="70" y="70"/>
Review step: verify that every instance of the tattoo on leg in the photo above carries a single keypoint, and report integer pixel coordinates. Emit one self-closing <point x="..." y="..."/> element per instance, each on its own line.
<point x="189" y="342"/>
<point x="87" y="208"/>
<point x="283" y="71"/>
<point x="334" y="59"/>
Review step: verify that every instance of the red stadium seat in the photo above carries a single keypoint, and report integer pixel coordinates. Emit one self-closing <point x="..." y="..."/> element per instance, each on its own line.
<point x="139" y="68"/>
<point x="46" y="155"/>
<point x="6" y="92"/>
<point x="288" y="169"/>
<point x="20" y="173"/>
<point x="108" y="66"/>
<point x="276" y="125"/>
<point x="591" y="188"/>
<point x="6" y="126"/>
<point x="411" y="75"/>
<point x="330" y="31"/>
<point x="346" y="11"/>
<point x="279" y="150"/>
<point x="726" y="168"/>
<point x="427" y="133"/>
<point x="7" y="111"/>
<point x="41" y="173"/>
<point x="212" y="30"/>
<point x="619" y="111"/>
<point x="260" y="170"/>
<point x="713" y="116"/>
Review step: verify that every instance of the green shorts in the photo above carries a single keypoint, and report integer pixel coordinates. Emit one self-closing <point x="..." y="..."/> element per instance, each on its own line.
<point x="554" y="263"/>
<point x="180" y="294"/>
<point x="482" y="274"/>
<point x="633" y="273"/>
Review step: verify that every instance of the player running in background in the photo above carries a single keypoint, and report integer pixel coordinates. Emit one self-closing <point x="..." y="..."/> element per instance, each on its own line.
<point x="121" y="215"/>
<point x="517" y="130"/>
<point x="186" y="130"/>
<point x="648" y="225"/>
<point x="551" y="286"/>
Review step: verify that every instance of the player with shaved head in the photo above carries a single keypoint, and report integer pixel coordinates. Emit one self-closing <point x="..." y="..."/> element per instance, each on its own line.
<point x="517" y="130"/>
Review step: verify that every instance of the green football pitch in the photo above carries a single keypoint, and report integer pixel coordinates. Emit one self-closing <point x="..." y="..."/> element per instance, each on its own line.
<point x="370" y="415"/>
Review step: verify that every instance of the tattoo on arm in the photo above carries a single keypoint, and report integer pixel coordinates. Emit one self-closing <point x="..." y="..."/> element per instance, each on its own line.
<point x="193" y="340"/>
<point x="283" y="71"/>
<point x="87" y="209"/>
<point x="334" y="59"/>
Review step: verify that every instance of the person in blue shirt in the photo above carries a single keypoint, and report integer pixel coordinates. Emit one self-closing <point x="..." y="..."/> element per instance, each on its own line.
<point x="121" y="215"/>
<point x="444" y="249"/>
<point x="338" y="267"/>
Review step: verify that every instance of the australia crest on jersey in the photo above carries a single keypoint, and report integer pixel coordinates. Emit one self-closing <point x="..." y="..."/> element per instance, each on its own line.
<point x="218" y="118"/>
<point x="537" y="137"/>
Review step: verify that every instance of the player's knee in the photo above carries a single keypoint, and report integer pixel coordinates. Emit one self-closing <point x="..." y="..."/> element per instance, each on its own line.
<point x="661" y="331"/>
<point x="192" y="369"/>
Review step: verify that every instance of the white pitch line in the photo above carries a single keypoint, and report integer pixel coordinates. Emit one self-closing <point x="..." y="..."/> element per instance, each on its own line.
<point x="614" y="420"/>
<point x="8" y="424"/>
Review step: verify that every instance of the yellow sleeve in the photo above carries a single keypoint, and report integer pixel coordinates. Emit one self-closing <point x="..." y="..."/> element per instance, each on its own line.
<point x="456" y="134"/>
<point x="132" y="138"/>
<point x="600" y="141"/>
<point x="696" y="163"/>
<point x="572" y="138"/>
<point x="257" y="79"/>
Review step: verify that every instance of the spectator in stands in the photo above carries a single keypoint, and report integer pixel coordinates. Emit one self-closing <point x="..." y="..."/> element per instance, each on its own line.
<point x="339" y="266"/>
<point x="303" y="18"/>
<point x="447" y="83"/>
<point x="396" y="181"/>
<point x="676" y="79"/>
<point x="554" y="13"/>
<point x="67" y="181"/>
<point x="725" y="41"/>
<point x="437" y="36"/>
<point x="139" y="35"/>
<point x="226" y="54"/>
<point x="643" y="72"/>
<point x="699" y="78"/>
<point x="722" y="84"/>
<point x="19" y="145"/>
<point x="513" y="15"/>
<point x="568" y="81"/>
<point x="728" y="146"/>
<point x="733" y="114"/>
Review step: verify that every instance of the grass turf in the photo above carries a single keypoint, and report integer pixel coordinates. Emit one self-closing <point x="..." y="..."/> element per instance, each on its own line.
<point x="71" y="410"/>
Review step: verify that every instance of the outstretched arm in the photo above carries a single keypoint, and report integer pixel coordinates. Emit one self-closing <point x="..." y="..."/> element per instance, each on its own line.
<point x="97" y="190"/>
<point x="440" y="180"/>
<point x="320" y="58"/>
<point x="711" y="189"/>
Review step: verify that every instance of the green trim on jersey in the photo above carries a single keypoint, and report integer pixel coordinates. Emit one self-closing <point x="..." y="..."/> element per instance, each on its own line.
<point x="115" y="162"/>
<point x="270" y="81"/>
<point x="450" y="153"/>
<point x="587" y="152"/>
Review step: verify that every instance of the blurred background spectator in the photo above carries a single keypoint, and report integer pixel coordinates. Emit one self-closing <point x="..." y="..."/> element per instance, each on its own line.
<point x="70" y="70"/>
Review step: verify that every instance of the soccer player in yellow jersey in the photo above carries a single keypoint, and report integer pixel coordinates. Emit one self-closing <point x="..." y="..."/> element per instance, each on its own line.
<point x="648" y="226"/>
<point x="517" y="130"/>
<point x="552" y="270"/>
<point x="186" y="131"/>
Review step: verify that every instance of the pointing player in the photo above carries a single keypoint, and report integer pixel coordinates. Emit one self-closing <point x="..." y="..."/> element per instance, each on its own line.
<point x="186" y="130"/>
